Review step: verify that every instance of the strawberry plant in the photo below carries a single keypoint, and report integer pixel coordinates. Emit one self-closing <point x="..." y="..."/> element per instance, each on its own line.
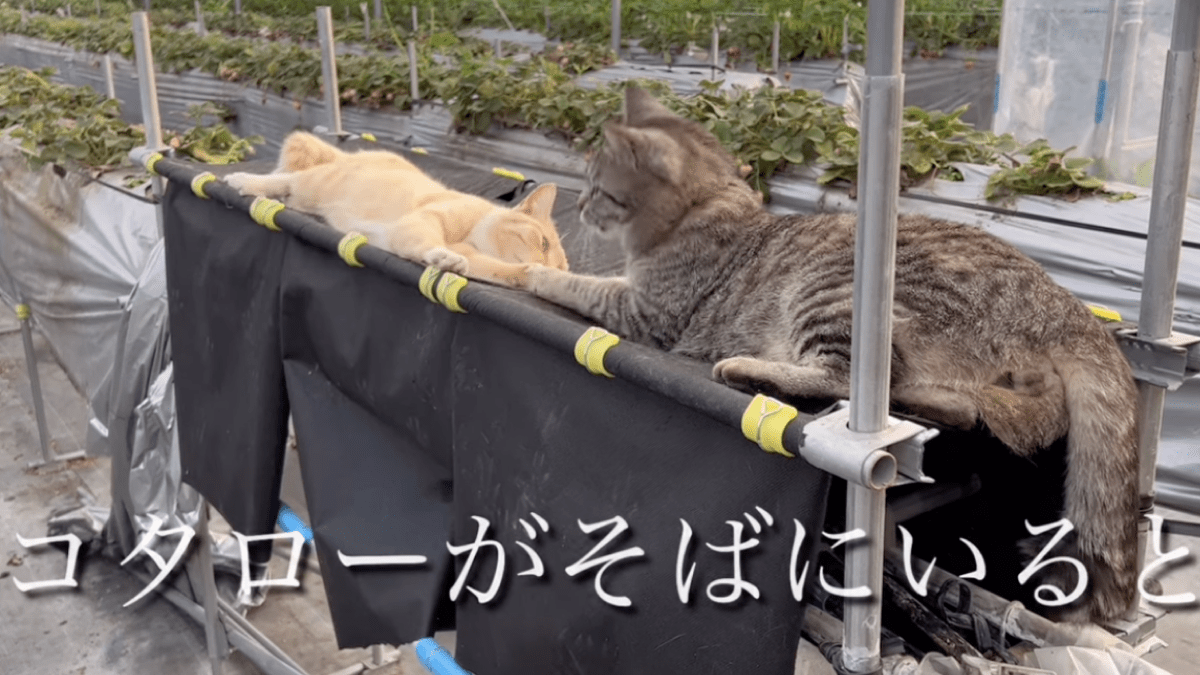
<point x="1047" y="171"/>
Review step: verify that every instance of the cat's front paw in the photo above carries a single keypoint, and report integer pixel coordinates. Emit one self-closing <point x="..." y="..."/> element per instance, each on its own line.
<point x="515" y="277"/>
<point x="534" y="277"/>
<point x="243" y="182"/>
<point x="446" y="260"/>
<point x="740" y="371"/>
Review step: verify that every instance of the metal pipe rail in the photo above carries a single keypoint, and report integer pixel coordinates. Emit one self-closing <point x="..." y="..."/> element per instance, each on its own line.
<point x="869" y="464"/>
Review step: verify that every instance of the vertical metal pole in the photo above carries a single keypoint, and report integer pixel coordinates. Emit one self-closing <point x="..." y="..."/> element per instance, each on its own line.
<point x="333" y="112"/>
<point x="775" y="48"/>
<point x="1100" y="140"/>
<point x="200" y="19"/>
<point x="871" y="334"/>
<point x="546" y="13"/>
<point x="362" y="6"/>
<point x="146" y="80"/>
<point x="35" y="383"/>
<point x="237" y="7"/>
<point x="615" y="43"/>
<point x="1168" y="201"/>
<point x="110" y="84"/>
<point x="214" y="630"/>
<point x="379" y="10"/>
<point x="148" y="87"/>
<point x="377" y="655"/>
<point x="497" y="49"/>
<point x="716" y="44"/>
<point x="412" y="72"/>
<point x="415" y="20"/>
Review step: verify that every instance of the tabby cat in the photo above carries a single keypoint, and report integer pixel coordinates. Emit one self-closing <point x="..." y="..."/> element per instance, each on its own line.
<point x="981" y="332"/>
<point x="401" y="209"/>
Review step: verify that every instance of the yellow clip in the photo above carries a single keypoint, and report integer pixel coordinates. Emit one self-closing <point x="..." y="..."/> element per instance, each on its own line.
<point x="200" y="181"/>
<point x="442" y="288"/>
<point x="508" y="174"/>
<point x="448" y="288"/>
<point x="263" y="211"/>
<point x="348" y="247"/>
<point x="368" y="137"/>
<point x="1105" y="313"/>
<point x="591" y="347"/>
<point x="151" y="161"/>
<point x="419" y="151"/>
<point x="764" y="422"/>
<point x="23" y="312"/>
<point x="426" y="284"/>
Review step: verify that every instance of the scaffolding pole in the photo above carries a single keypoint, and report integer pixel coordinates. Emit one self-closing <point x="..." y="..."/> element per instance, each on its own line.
<point x="148" y="90"/>
<point x="874" y="282"/>
<point x="329" y="81"/>
<point x="1168" y="200"/>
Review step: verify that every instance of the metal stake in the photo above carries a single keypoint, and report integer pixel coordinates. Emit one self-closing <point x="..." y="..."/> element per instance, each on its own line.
<point x="110" y="85"/>
<point x="148" y="88"/>
<point x="775" y="48"/>
<point x="200" y="29"/>
<point x="1168" y="200"/>
<point x="716" y="45"/>
<point x="412" y="72"/>
<point x="615" y="44"/>
<point x="35" y="384"/>
<point x="379" y="10"/>
<point x="366" y="22"/>
<point x="333" y="112"/>
<point x="214" y="629"/>
<point x="874" y="282"/>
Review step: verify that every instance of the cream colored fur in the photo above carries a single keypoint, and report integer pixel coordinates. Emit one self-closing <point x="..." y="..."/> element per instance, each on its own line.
<point x="401" y="209"/>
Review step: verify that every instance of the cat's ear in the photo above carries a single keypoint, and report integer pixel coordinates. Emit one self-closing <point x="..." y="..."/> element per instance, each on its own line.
<point x="650" y="150"/>
<point x="640" y="106"/>
<point x="539" y="204"/>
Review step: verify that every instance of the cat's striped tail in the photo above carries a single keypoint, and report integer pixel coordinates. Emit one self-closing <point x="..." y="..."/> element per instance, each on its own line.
<point x="1101" y="498"/>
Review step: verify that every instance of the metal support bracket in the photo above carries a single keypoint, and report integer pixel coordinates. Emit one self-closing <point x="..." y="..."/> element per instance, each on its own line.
<point x="1166" y="362"/>
<point x="829" y="437"/>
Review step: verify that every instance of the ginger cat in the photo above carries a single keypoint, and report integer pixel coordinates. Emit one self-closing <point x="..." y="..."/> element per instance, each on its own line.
<point x="402" y="210"/>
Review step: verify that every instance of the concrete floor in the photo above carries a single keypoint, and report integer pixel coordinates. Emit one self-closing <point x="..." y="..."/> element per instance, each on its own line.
<point x="86" y="631"/>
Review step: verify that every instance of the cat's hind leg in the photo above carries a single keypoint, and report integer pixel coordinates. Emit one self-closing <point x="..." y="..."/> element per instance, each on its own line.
<point x="936" y="403"/>
<point x="270" y="185"/>
<point x="1026" y="410"/>
<point x="814" y="377"/>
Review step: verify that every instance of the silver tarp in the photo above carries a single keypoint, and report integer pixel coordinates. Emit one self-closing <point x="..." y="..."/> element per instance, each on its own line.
<point x="88" y="260"/>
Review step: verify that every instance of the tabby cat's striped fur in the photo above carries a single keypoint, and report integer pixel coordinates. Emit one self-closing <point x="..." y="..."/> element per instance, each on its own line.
<point x="981" y="332"/>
